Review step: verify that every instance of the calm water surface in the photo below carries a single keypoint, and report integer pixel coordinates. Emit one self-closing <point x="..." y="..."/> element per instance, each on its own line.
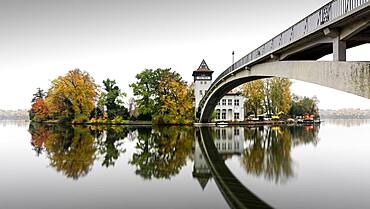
<point x="323" y="166"/>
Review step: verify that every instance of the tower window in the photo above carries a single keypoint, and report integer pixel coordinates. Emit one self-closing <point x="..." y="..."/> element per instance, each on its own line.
<point x="236" y="102"/>
<point x="229" y="102"/>
<point x="200" y="92"/>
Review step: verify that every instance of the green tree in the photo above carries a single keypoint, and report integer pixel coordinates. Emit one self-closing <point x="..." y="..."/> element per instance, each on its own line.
<point x="111" y="98"/>
<point x="302" y="105"/>
<point x="40" y="94"/>
<point x="147" y="90"/>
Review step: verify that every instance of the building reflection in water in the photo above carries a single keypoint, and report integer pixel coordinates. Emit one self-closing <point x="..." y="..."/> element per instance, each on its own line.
<point x="229" y="141"/>
<point x="264" y="151"/>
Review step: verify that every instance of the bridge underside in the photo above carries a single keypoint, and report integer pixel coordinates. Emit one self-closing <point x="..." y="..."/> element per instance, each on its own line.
<point x="351" y="77"/>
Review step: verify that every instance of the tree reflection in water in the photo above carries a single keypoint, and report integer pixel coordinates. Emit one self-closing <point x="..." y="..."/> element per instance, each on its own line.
<point x="71" y="150"/>
<point x="162" y="152"/>
<point x="110" y="144"/>
<point x="268" y="150"/>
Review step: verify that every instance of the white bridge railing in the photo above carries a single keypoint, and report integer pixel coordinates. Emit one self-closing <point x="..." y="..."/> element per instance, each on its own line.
<point x="315" y="21"/>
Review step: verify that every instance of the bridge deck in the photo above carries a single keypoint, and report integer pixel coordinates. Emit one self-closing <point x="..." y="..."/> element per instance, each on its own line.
<point x="305" y="32"/>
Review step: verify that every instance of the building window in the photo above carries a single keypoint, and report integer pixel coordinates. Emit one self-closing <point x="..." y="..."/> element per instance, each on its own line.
<point x="200" y="92"/>
<point x="205" y="91"/>
<point x="223" y="115"/>
<point x="218" y="134"/>
<point x="230" y="102"/>
<point x="218" y="114"/>
<point x="223" y="146"/>
<point x="236" y="116"/>
<point x="205" y="82"/>
<point x="218" y="103"/>
<point x="223" y="132"/>
<point x="236" y="132"/>
<point x="236" y="102"/>
<point x="201" y="82"/>
<point x="224" y="103"/>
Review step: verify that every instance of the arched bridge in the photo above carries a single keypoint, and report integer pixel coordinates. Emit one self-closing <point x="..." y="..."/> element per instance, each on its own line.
<point x="335" y="27"/>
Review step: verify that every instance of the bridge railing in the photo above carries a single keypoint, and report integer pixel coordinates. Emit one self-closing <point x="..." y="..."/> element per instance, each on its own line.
<point x="313" y="22"/>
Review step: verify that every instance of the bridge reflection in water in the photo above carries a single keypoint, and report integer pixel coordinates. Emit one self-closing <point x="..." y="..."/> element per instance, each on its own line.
<point x="234" y="192"/>
<point x="264" y="151"/>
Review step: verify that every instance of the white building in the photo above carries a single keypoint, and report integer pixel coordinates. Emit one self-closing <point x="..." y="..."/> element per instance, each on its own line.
<point x="229" y="108"/>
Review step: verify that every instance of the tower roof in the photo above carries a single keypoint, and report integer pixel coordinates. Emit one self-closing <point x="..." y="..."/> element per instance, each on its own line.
<point x="203" y="69"/>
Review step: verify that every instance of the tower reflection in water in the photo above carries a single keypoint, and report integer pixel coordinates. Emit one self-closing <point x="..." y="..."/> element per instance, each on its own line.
<point x="264" y="151"/>
<point x="229" y="141"/>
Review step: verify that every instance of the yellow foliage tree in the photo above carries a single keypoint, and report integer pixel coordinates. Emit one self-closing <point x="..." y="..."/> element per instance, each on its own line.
<point x="176" y="102"/>
<point x="253" y="92"/>
<point x="72" y="97"/>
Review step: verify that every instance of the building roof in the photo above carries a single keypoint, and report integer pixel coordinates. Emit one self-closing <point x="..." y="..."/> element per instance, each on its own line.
<point x="202" y="179"/>
<point x="203" y="67"/>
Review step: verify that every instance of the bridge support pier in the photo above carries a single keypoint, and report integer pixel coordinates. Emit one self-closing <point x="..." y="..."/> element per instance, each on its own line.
<point x="339" y="49"/>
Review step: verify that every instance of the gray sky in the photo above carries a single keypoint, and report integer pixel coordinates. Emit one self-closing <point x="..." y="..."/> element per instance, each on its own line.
<point x="42" y="39"/>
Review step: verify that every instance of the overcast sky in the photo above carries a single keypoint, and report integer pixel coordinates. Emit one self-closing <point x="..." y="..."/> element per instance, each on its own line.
<point x="42" y="39"/>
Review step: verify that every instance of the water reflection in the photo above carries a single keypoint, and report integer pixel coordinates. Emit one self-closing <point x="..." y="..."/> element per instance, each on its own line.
<point x="348" y="122"/>
<point x="70" y="150"/>
<point x="110" y="142"/>
<point x="162" y="152"/>
<point x="268" y="150"/>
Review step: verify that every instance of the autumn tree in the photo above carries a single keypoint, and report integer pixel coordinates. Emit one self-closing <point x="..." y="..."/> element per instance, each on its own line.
<point x="280" y="95"/>
<point x="39" y="111"/>
<point x="270" y="96"/>
<point x="253" y="92"/>
<point x="72" y="97"/>
<point x="176" y="102"/>
<point x="146" y="90"/>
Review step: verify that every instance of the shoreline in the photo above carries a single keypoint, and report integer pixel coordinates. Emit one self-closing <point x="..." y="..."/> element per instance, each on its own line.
<point x="211" y="124"/>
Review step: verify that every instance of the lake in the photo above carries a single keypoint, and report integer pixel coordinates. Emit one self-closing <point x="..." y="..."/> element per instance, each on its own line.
<point x="81" y="167"/>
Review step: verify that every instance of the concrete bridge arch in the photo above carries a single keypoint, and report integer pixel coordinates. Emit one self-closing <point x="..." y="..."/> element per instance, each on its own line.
<point x="351" y="77"/>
